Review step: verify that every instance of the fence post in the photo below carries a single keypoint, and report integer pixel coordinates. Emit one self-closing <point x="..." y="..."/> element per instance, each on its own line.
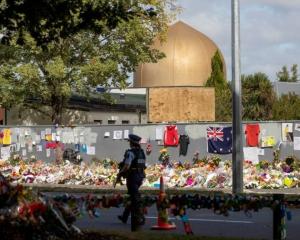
<point x="279" y="227"/>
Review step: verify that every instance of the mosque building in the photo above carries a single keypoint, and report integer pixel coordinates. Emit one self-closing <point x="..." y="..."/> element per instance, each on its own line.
<point x="187" y="62"/>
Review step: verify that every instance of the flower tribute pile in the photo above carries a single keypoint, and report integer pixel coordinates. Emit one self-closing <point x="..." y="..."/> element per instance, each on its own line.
<point x="210" y="172"/>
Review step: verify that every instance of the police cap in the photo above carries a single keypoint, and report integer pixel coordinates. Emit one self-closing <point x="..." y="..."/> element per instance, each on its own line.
<point x="134" y="138"/>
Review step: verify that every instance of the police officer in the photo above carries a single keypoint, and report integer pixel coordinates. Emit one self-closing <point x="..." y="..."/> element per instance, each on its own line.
<point x="133" y="169"/>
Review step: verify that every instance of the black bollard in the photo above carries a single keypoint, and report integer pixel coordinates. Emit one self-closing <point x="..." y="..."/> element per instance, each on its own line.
<point x="279" y="228"/>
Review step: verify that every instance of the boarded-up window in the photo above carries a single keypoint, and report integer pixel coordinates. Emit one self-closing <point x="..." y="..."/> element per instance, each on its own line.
<point x="181" y="104"/>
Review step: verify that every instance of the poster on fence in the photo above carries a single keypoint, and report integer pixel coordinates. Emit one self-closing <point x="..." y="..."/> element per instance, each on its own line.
<point x="297" y="143"/>
<point x="5" y="153"/>
<point x="287" y="132"/>
<point x="251" y="154"/>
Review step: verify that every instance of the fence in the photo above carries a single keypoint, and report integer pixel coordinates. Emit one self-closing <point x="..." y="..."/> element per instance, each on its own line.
<point x="107" y="141"/>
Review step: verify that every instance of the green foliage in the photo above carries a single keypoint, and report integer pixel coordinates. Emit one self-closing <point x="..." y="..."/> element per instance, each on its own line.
<point x="276" y="155"/>
<point x="263" y="164"/>
<point x="48" y="21"/>
<point x="42" y="72"/>
<point x="285" y="76"/>
<point x="214" y="160"/>
<point x="258" y="97"/>
<point x="164" y="156"/>
<point x="15" y="160"/>
<point x="223" y="104"/>
<point x="217" y="77"/>
<point x="294" y="71"/>
<point x="285" y="107"/>
<point x="223" y="94"/>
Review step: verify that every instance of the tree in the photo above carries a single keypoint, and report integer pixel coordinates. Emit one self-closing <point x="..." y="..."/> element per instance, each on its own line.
<point x="48" y="21"/>
<point x="217" y="77"/>
<point x="222" y="89"/>
<point x="294" y="71"/>
<point x="224" y="104"/>
<point x="258" y="97"/>
<point x="285" y="107"/>
<point x="35" y="75"/>
<point x="285" y="76"/>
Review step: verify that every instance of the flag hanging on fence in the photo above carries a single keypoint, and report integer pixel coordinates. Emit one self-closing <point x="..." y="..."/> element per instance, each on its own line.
<point x="219" y="140"/>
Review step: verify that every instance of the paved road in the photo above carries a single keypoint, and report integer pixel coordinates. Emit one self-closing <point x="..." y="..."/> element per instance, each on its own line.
<point x="204" y="223"/>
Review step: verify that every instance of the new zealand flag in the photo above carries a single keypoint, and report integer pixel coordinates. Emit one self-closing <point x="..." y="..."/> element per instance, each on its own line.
<point x="219" y="140"/>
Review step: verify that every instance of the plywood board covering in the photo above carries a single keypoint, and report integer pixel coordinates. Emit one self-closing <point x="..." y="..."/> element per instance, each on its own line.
<point x="181" y="104"/>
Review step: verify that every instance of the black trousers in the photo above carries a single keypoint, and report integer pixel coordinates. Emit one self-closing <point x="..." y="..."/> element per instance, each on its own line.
<point x="133" y="183"/>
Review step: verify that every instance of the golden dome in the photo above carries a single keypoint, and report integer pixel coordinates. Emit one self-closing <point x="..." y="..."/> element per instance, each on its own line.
<point x="187" y="62"/>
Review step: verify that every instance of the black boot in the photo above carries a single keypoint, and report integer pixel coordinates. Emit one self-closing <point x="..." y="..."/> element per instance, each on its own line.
<point x="122" y="219"/>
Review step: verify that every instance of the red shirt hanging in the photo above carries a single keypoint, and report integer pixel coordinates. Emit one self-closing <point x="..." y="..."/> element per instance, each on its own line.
<point x="171" y="137"/>
<point x="252" y="132"/>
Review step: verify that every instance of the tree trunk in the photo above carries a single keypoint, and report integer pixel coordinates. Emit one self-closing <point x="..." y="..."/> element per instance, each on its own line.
<point x="56" y="116"/>
<point x="57" y="105"/>
<point x="57" y="110"/>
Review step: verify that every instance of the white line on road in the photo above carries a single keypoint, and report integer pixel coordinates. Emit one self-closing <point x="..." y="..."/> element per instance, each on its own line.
<point x="210" y="220"/>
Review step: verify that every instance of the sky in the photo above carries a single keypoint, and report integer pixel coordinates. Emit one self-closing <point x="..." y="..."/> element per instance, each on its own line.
<point x="270" y="31"/>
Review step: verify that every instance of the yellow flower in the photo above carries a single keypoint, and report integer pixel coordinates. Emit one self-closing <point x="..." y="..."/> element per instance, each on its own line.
<point x="288" y="182"/>
<point x="163" y="150"/>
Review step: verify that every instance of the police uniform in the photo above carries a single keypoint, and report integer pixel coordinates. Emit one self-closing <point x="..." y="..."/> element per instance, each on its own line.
<point x="136" y="159"/>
